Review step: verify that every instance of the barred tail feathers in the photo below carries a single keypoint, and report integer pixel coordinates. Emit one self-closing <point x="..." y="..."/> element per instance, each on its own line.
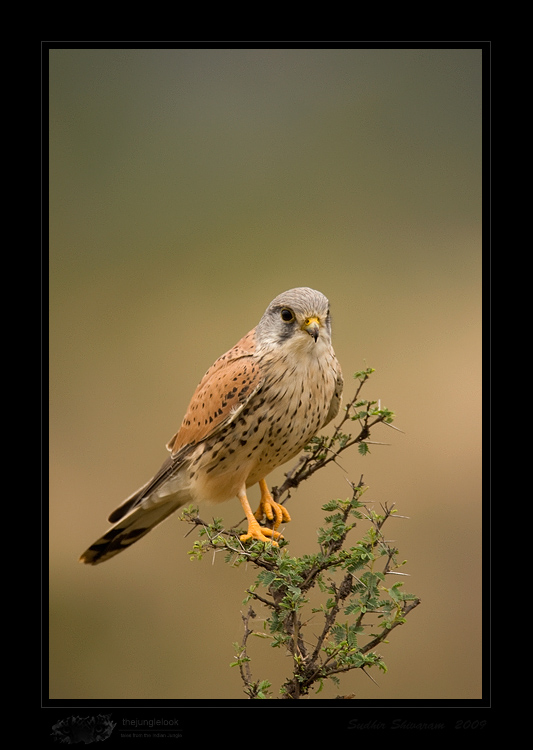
<point x="132" y="527"/>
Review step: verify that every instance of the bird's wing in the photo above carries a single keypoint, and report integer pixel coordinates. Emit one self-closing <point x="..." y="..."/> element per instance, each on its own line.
<point x="221" y="394"/>
<point x="219" y="398"/>
<point x="167" y="470"/>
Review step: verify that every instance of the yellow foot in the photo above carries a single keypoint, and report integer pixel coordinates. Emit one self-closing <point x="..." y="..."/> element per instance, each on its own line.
<point x="260" y="534"/>
<point x="271" y="510"/>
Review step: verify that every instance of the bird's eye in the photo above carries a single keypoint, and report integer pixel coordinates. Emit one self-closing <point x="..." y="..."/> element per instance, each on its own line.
<point x="287" y="315"/>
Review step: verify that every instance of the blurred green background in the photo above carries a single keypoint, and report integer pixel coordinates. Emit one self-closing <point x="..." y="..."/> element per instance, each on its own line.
<point x="188" y="188"/>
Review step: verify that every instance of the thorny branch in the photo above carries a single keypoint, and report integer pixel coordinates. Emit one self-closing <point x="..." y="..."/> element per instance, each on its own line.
<point x="243" y="658"/>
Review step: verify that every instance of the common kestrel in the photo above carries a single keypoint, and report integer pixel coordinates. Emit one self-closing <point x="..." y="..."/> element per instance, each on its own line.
<point x="254" y="409"/>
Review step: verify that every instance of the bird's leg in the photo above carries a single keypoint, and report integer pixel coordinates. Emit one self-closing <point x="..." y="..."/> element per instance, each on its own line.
<point x="269" y="508"/>
<point x="255" y="531"/>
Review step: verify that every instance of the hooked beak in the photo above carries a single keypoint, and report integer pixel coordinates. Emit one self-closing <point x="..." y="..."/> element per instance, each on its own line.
<point x="312" y="327"/>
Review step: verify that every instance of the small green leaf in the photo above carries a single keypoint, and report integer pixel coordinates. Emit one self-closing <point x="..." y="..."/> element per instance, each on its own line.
<point x="364" y="374"/>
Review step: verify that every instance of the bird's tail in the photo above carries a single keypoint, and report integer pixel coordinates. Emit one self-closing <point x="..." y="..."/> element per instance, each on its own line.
<point x="132" y="527"/>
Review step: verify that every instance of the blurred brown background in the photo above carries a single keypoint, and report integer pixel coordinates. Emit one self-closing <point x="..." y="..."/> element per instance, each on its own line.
<point x="188" y="188"/>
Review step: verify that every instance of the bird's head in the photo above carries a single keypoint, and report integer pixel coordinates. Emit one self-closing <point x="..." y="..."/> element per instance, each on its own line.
<point x="299" y="316"/>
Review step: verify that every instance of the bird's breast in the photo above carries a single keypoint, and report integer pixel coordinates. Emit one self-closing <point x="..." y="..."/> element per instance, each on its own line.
<point x="273" y="427"/>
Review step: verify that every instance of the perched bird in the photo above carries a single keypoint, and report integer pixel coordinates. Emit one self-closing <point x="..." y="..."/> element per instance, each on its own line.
<point x="254" y="409"/>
